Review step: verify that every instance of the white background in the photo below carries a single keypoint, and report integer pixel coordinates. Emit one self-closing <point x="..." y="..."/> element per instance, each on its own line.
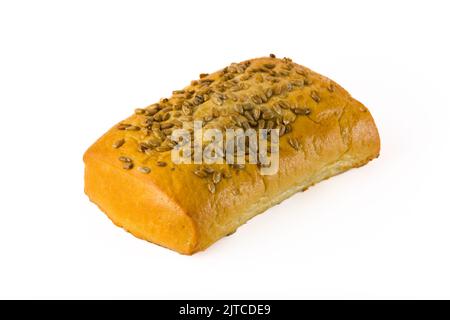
<point x="71" y="69"/>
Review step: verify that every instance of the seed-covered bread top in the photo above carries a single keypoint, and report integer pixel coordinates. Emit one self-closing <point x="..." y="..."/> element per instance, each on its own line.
<point x="250" y="94"/>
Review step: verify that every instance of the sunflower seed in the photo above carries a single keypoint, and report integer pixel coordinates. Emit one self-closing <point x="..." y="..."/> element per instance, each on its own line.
<point x="147" y="122"/>
<point x="125" y="159"/>
<point x="208" y="118"/>
<point x="163" y="148"/>
<point x="267" y="115"/>
<point x="302" y="111"/>
<point x="283" y="104"/>
<point x="161" y="163"/>
<point x="217" y="176"/>
<point x="159" y="134"/>
<point x="257" y="99"/>
<point x="127" y="165"/>
<point x="212" y="187"/>
<point x="144" y="170"/>
<point x="166" y="125"/>
<point x="132" y="128"/>
<point x="298" y="83"/>
<point x="198" y="99"/>
<point x="208" y="169"/>
<point x="276" y="89"/>
<point x="186" y="110"/>
<point x="168" y="131"/>
<point x="263" y="97"/>
<point x="217" y="100"/>
<point x="154" y="143"/>
<point x="166" y="109"/>
<point x="261" y="124"/>
<point x="118" y="143"/>
<point x="158" y="117"/>
<point x="294" y="143"/>
<point x="269" y="65"/>
<point x="200" y="173"/>
<point x="238" y="108"/>
<point x="277" y="109"/>
<point x="259" y="78"/>
<point x="245" y="77"/>
<point x="233" y="97"/>
<point x="288" y="117"/>
<point x="256" y="113"/>
<point x="226" y="174"/>
<point x="283" y="88"/>
<point x="151" y="111"/>
<point x="249" y="116"/>
<point x="331" y="87"/>
<point x="288" y="128"/>
<point x="123" y="126"/>
<point x="142" y="147"/>
<point x="247" y="106"/>
<point x="236" y="120"/>
<point x="315" y="96"/>
<point x="253" y="123"/>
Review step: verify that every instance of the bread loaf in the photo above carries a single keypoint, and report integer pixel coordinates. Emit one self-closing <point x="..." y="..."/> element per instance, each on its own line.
<point x="131" y="175"/>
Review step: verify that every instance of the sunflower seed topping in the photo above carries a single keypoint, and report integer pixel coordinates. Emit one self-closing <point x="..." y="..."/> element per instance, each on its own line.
<point x="125" y="159"/>
<point x="250" y="94"/>
<point x="132" y="128"/>
<point x="217" y="176"/>
<point x="269" y="65"/>
<point x="331" y="86"/>
<point x="201" y="173"/>
<point x="294" y="143"/>
<point x="145" y="170"/>
<point x="212" y="187"/>
<point x="128" y="165"/>
<point x="117" y="144"/>
<point x="256" y="113"/>
<point x="161" y="163"/>
<point x="123" y="126"/>
<point x="315" y="96"/>
<point x="302" y="111"/>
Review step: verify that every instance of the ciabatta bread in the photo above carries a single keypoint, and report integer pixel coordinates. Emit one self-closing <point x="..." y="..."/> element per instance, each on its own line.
<point x="130" y="174"/>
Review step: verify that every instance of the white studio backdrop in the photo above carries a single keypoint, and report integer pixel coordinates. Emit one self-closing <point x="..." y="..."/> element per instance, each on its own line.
<point x="69" y="70"/>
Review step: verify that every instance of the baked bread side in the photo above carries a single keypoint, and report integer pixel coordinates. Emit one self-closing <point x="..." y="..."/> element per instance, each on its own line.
<point x="130" y="174"/>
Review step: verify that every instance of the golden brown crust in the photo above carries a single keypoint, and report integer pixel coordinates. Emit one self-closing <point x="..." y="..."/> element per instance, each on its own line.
<point x="173" y="207"/>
